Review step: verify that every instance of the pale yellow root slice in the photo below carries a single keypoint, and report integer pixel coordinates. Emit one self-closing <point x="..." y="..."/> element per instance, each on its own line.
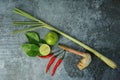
<point x="84" y="62"/>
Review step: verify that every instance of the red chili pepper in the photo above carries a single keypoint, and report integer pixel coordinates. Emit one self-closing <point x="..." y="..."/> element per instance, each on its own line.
<point x="48" y="56"/>
<point x="50" y="63"/>
<point x="57" y="64"/>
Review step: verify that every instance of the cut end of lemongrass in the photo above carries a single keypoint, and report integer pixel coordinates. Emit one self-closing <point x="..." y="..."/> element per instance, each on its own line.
<point x="112" y="64"/>
<point x="115" y="66"/>
<point x="108" y="61"/>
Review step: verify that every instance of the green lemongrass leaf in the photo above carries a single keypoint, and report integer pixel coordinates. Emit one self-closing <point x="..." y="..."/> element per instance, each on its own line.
<point x="16" y="10"/>
<point x="25" y="23"/>
<point x="27" y="29"/>
<point x="99" y="55"/>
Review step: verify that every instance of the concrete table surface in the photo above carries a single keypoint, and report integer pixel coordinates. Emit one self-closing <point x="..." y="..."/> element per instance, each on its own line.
<point x="94" y="22"/>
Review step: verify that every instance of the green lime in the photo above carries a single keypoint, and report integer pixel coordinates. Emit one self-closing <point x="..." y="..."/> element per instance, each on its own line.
<point x="44" y="49"/>
<point x="51" y="38"/>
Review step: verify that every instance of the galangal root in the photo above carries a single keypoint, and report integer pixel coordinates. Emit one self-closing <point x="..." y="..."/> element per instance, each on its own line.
<point x="84" y="62"/>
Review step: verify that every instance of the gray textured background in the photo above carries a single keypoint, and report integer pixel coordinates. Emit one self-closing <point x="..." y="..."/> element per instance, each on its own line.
<point x="94" y="22"/>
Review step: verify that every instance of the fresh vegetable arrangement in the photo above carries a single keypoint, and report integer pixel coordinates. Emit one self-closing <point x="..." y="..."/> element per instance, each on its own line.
<point x="32" y="47"/>
<point x="41" y="48"/>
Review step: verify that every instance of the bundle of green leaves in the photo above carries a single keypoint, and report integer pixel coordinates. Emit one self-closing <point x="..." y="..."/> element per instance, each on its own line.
<point x="31" y="48"/>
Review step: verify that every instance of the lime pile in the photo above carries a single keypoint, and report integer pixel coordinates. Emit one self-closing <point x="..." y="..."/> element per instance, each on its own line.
<point x="37" y="46"/>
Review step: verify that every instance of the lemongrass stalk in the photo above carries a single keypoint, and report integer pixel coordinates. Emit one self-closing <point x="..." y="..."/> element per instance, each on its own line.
<point x="99" y="55"/>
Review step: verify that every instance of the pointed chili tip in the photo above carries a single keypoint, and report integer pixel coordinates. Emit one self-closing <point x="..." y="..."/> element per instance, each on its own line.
<point x="46" y="72"/>
<point x="52" y="74"/>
